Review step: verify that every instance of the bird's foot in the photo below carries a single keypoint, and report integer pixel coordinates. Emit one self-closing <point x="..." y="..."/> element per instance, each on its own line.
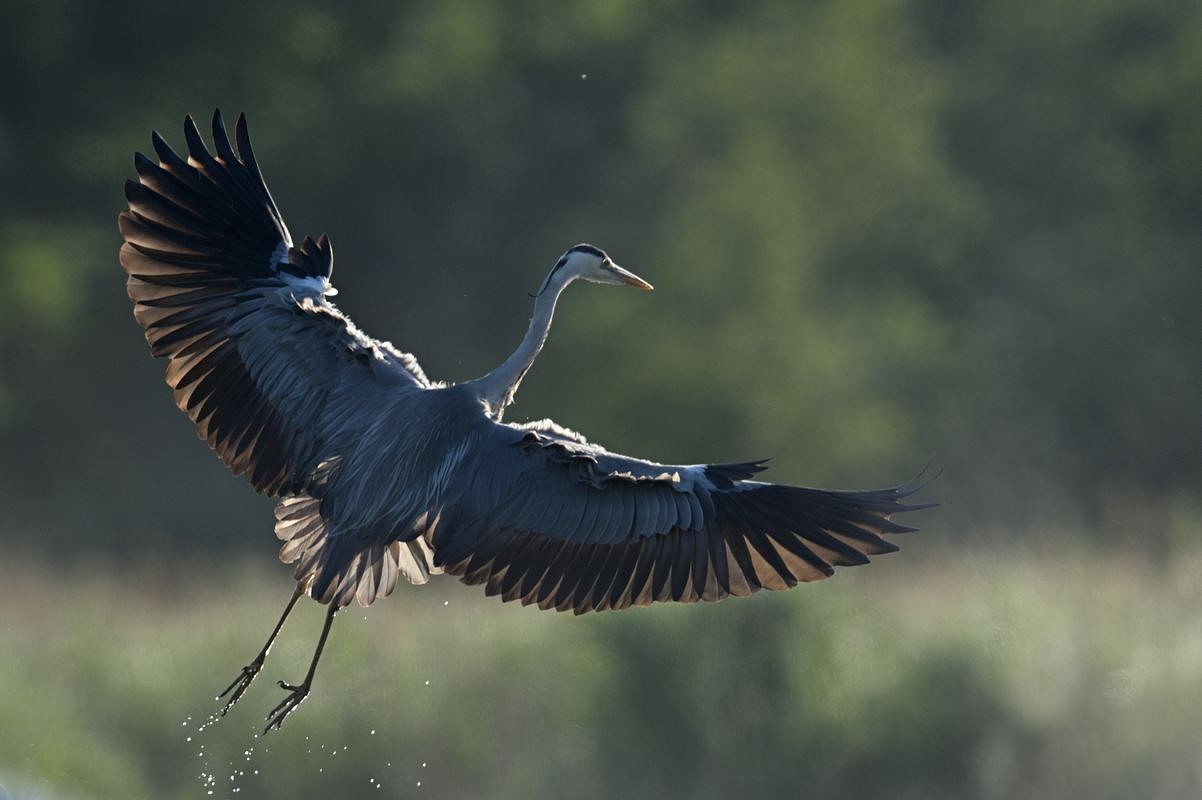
<point x="241" y="683"/>
<point x="296" y="696"/>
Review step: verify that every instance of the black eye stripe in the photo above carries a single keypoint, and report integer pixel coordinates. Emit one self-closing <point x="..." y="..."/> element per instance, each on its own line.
<point x="580" y="248"/>
<point x="587" y="248"/>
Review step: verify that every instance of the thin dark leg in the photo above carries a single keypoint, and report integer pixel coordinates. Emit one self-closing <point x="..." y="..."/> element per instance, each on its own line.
<point x="243" y="681"/>
<point x="297" y="694"/>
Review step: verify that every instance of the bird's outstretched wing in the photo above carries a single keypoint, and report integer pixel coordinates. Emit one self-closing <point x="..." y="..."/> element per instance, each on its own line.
<point x="544" y="517"/>
<point x="264" y="365"/>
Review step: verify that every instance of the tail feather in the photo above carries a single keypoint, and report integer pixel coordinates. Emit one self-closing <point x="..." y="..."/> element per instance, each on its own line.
<point x="338" y="567"/>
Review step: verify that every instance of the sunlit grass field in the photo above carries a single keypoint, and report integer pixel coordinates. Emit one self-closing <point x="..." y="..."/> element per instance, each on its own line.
<point x="1004" y="673"/>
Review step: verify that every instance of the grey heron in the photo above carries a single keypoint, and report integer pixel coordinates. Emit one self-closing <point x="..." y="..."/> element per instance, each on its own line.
<point x="382" y="473"/>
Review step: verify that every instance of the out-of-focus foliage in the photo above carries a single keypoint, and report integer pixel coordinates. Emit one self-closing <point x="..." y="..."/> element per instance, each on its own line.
<point x="1037" y="679"/>
<point x="881" y="233"/>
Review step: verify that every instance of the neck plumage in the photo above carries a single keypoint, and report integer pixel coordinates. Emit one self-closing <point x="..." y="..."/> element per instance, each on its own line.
<point x="497" y="388"/>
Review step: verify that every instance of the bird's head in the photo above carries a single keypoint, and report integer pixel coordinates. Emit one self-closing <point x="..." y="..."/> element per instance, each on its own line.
<point x="591" y="264"/>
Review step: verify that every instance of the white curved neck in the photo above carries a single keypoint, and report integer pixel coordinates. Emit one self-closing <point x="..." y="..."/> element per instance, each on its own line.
<point x="497" y="388"/>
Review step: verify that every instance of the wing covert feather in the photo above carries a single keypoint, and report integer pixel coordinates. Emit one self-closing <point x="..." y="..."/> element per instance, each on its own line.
<point x="566" y="524"/>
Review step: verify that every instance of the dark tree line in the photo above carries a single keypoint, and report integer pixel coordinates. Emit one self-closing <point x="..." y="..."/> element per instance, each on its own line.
<point x="881" y="233"/>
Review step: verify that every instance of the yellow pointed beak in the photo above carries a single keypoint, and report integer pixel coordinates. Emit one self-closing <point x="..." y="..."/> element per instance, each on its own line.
<point x="629" y="278"/>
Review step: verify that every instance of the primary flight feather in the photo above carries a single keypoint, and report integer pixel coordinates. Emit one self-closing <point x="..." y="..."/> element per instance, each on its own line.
<point x="382" y="472"/>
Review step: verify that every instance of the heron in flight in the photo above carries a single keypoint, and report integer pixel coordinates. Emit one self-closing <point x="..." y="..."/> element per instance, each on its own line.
<point x="382" y="473"/>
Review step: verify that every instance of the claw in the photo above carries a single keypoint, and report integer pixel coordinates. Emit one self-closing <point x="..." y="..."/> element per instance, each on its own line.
<point x="296" y="696"/>
<point x="241" y="683"/>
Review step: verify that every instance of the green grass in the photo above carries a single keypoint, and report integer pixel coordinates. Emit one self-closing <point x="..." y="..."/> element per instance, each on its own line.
<point x="989" y="674"/>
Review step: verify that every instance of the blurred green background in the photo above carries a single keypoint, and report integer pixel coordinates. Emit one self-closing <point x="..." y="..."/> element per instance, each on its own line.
<point x="881" y="233"/>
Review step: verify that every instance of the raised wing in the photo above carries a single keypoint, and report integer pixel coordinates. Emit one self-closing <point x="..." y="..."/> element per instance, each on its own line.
<point x="543" y="517"/>
<point x="272" y="374"/>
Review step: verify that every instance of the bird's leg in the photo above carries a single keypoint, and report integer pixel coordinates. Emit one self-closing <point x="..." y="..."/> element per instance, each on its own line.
<point x="249" y="672"/>
<point x="297" y="694"/>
